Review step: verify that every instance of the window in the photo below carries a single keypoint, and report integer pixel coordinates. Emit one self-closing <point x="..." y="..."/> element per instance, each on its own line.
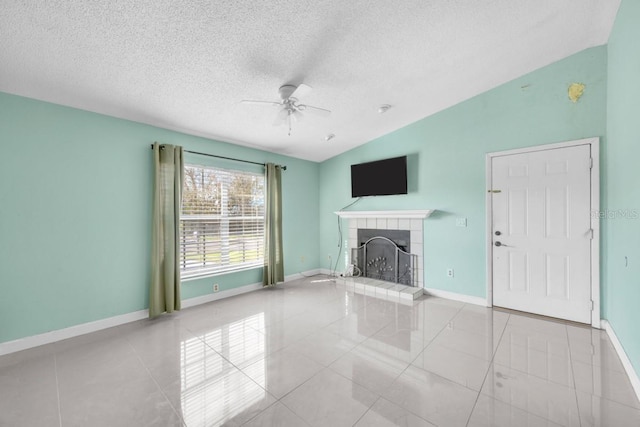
<point x="222" y="220"/>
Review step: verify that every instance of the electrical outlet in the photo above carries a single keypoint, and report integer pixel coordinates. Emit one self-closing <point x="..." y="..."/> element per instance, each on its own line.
<point x="461" y="222"/>
<point x="449" y="272"/>
<point x="216" y="287"/>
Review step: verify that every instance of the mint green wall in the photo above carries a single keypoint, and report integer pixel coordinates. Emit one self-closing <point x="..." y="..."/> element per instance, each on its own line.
<point x="621" y="189"/>
<point x="447" y="161"/>
<point x="75" y="192"/>
<point x="75" y="208"/>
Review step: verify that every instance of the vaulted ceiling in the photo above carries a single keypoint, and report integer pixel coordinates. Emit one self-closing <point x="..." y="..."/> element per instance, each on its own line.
<point x="186" y="65"/>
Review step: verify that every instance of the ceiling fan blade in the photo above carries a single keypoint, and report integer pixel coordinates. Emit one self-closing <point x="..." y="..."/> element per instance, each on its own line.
<point x="252" y="102"/>
<point x="301" y="91"/>
<point x="281" y="117"/>
<point x="322" y="112"/>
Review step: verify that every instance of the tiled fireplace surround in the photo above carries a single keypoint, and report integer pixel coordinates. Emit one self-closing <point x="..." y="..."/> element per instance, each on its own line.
<point x="412" y="220"/>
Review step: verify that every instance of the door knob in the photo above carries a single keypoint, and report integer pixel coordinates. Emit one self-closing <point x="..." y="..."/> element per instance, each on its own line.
<point x="498" y="244"/>
<point x="498" y="233"/>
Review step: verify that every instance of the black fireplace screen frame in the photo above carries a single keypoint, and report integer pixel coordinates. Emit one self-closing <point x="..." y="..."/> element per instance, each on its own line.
<point x="404" y="275"/>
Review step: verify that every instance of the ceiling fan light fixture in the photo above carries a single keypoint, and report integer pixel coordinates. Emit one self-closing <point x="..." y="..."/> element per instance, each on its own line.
<point x="291" y="110"/>
<point x="384" y="108"/>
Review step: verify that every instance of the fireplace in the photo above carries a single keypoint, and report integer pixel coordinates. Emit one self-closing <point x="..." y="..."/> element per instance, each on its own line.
<point x="384" y="255"/>
<point x="383" y="221"/>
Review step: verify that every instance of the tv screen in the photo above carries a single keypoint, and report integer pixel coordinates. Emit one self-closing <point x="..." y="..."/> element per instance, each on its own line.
<point x="379" y="178"/>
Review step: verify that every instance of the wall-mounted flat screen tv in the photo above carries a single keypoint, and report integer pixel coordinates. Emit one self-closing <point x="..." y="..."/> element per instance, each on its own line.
<point x="379" y="178"/>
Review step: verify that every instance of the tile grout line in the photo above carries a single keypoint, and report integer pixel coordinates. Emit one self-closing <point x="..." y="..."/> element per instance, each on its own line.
<point x="431" y="342"/>
<point x="528" y="374"/>
<point x="267" y="355"/>
<point x="525" y="347"/>
<point x="592" y="365"/>
<point x="493" y="355"/>
<point x="411" y="364"/>
<point x="146" y="368"/>
<point x="277" y="399"/>
<point x="55" y="368"/>
<point x="573" y="375"/>
<point x="241" y="369"/>
<point x="501" y="338"/>
<point x="292" y="411"/>
<point x="339" y="374"/>
<point x="260" y="413"/>
<point x="437" y="335"/>
<point x="280" y="399"/>
<point x="367" y="411"/>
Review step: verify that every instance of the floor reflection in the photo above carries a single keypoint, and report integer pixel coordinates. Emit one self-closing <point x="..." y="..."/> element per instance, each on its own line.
<point x="322" y="354"/>
<point x="213" y="390"/>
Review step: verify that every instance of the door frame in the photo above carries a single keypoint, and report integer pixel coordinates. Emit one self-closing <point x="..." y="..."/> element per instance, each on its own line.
<point x="594" y="143"/>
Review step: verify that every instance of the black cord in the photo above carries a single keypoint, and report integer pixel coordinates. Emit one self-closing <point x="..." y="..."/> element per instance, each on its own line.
<point x="351" y="204"/>
<point x="335" y="267"/>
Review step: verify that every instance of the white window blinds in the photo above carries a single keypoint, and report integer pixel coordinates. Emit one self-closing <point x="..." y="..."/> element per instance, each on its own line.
<point x="222" y="220"/>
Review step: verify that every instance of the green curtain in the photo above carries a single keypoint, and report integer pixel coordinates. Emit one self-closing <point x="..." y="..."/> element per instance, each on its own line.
<point x="164" y="292"/>
<point x="273" y="264"/>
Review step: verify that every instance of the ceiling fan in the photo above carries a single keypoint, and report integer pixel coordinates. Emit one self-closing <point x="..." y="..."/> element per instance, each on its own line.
<point x="290" y="108"/>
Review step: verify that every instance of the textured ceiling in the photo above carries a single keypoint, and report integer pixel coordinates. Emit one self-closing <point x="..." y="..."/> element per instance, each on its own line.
<point x="185" y="65"/>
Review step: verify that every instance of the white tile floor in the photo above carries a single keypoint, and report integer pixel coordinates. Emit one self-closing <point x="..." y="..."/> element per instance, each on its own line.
<point x="312" y="352"/>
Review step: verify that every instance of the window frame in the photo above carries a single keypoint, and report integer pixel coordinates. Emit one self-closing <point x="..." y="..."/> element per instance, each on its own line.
<point x="229" y="267"/>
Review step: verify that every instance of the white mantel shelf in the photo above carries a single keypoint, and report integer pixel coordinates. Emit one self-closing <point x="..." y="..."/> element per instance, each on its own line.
<point x="412" y="214"/>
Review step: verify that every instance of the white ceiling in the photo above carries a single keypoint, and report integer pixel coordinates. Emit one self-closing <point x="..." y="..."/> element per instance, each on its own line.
<point x="185" y="65"/>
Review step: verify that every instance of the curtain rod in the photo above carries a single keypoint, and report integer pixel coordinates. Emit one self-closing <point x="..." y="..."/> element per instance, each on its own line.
<point x="226" y="158"/>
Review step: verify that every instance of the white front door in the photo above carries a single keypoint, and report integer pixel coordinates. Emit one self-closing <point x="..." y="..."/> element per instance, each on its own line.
<point x="541" y="231"/>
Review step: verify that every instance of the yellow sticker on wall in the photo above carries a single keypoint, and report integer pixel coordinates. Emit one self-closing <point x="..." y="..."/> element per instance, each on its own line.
<point x="576" y="90"/>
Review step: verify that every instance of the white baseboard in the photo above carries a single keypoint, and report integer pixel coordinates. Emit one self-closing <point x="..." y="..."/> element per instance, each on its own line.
<point x="301" y="275"/>
<point x="628" y="367"/>
<point x="85" y="328"/>
<point x="456" y="297"/>
<point x="70" y="332"/>
<point x="192" y="302"/>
